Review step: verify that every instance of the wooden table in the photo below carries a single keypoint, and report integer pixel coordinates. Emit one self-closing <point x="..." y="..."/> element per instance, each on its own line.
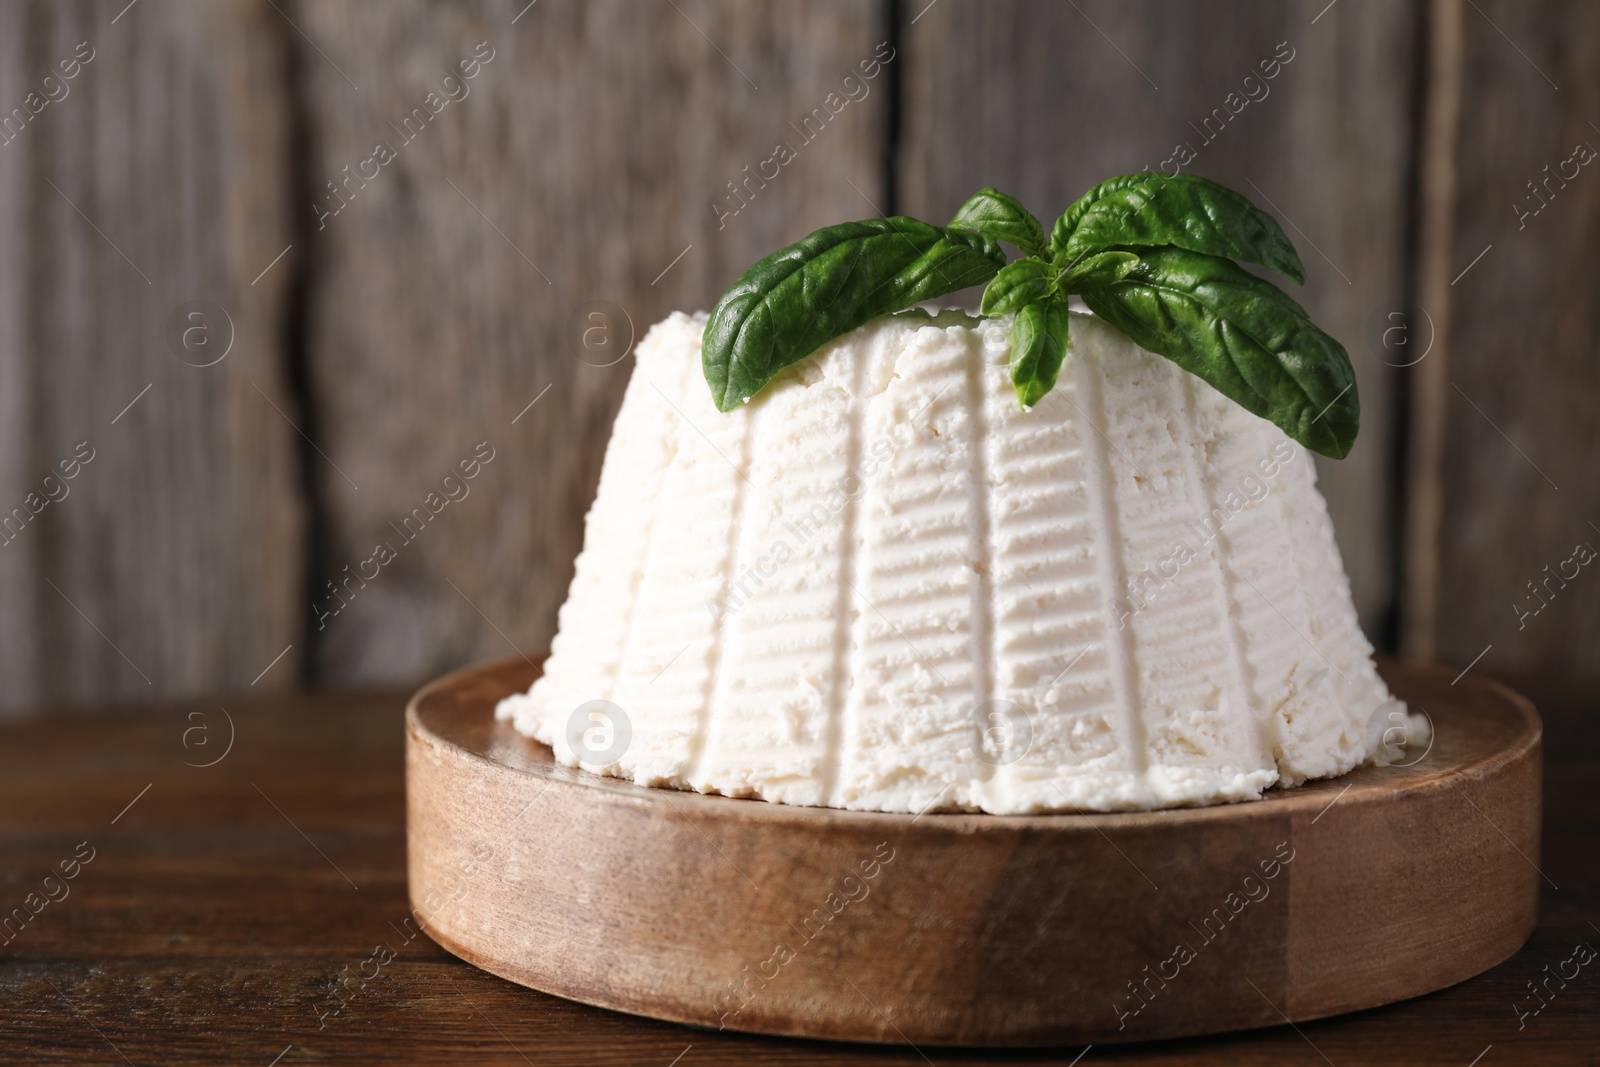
<point x="254" y="911"/>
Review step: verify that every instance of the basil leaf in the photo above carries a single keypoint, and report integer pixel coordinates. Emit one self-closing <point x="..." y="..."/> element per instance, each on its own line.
<point x="1184" y="211"/>
<point x="1097" y="270"/>
<point x="1244" y="337"/>
<point x="1018" y="283"/>
<point x="1038" y="347"/>
<point x="799" y="298"/>
<point x="994" y="214"/>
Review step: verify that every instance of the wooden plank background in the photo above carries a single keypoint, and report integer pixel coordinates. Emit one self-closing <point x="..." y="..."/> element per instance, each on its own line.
<point x="1509" y="450"/>
<point x="173" y="561"/>
<point x="578" y="172"/>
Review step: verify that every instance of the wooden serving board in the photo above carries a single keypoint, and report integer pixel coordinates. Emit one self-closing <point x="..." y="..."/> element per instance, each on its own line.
<point x="1384" y="884"/>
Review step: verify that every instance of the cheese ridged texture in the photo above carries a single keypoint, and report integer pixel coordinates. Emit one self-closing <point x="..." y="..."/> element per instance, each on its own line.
<point x="882" y="585"/>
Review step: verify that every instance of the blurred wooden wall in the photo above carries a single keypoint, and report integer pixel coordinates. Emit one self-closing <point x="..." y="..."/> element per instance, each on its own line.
<point x="210" y="159"/>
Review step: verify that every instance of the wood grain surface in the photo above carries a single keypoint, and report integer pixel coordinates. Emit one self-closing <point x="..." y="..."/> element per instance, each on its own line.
<point x="148" y="181"/>
<point x="976" y="929"/>
<point x="215" y="924"/>
<point x="585" y="164"/>
<point x="1506" y="451"/>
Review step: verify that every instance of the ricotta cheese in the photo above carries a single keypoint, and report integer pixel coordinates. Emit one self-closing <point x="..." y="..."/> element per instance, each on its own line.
<point x="882" y="585"/>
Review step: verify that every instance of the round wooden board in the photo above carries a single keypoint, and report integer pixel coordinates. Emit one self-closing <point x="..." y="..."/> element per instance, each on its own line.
<point x="976" y="929"/>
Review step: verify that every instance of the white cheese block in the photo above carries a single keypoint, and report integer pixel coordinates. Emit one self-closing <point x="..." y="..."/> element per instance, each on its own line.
<point x="883" y="585"/>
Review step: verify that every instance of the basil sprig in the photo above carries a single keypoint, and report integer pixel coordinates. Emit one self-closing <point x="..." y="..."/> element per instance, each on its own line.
<point x="994" y="214"/>
<point x="799" y="298"/>
<point x="1151" y="254"/>
<point x="1242" y="335"/>
<point x="1183" y="211"/>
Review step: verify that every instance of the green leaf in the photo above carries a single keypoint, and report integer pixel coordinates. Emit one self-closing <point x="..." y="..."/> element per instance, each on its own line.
<point x="799" y="298"/>
<point x="994" y="214"/>
<point x="1097" y="270"/>
<point x="1018" y="283"/>
<point x="1038" y="347"/>
<point x="1242" y="335"/>
<point x="1151" y="210"/>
